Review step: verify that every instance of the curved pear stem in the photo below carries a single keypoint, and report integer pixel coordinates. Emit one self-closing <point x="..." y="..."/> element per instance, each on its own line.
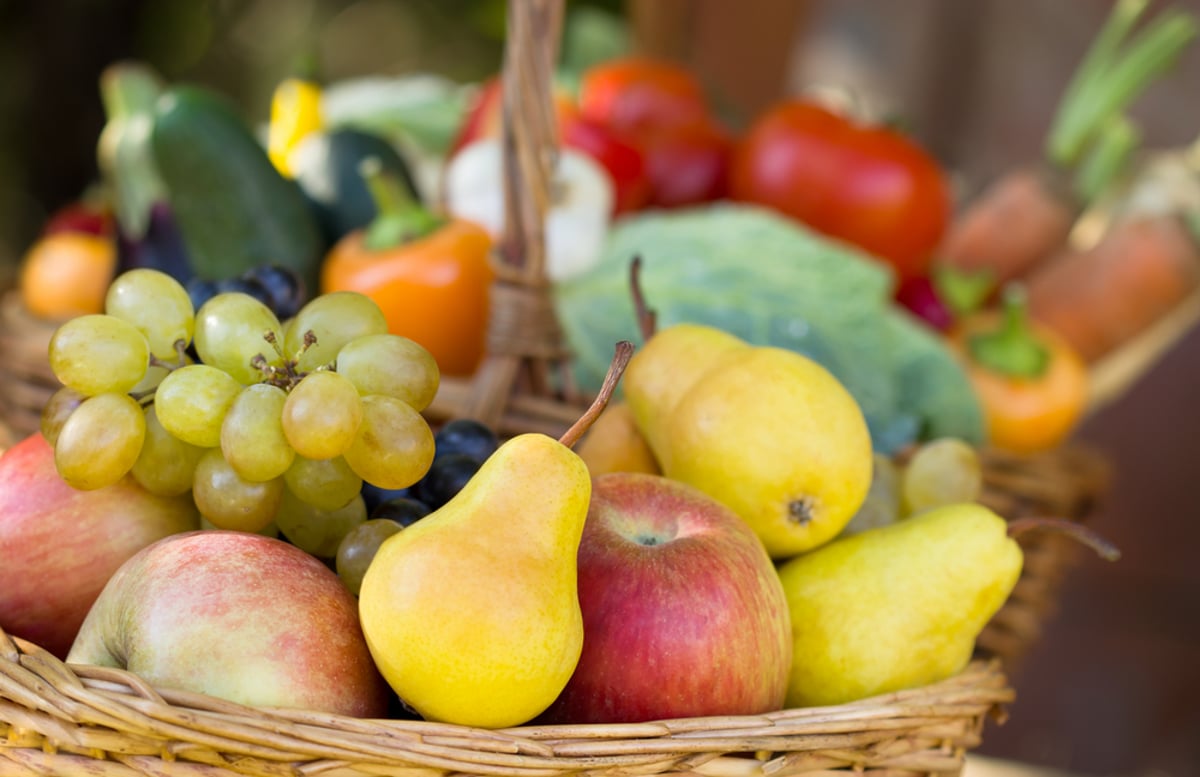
<point x="615" y="369"/>
<point x="646" y="318"/>
<point x="1104" y="549"/>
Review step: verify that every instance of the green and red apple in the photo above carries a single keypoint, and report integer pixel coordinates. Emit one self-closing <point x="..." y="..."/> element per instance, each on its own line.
<point x="59" y="546"/>
<point x="238" y="616"/>
<point x="683" y="612"/>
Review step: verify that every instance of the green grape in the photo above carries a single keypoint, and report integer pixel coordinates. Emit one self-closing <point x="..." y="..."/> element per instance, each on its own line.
<point x="390" y="365"/>
<point x="192" y="402"/>
<point x="394" y="445"/>
<point x="99" y="354"/>
<point x="882" y="503"/>
<point x="252" y="436"/>
<point x="940" y="472"/>
<point x="321" y="415"/>
<point x="317" y="531"/>
<point x="358" y="548"/>
<point x="326" y="484"/>
<point x="232" y="329"/>
<point x="167" y="465"/>
<point x="99" y="443"/>
<point x="157" y="305"/>
<point x="334" y="319"/>
<point x="57" y="410"/>
<point x="230" y="502"/>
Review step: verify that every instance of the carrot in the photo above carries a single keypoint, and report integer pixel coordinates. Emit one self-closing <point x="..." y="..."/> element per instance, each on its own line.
<point x="1098" y="298"/>
<point x="1027" y="214"/>
<point x="1016" y="221"/>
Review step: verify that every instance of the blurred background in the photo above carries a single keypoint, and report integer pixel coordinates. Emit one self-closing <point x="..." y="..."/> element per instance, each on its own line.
<point x="1112" y="686"/>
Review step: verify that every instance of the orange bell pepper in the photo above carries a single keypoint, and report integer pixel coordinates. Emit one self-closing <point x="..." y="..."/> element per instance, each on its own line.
<point x="1032" y="385"/>
<point x="431" y="276"/>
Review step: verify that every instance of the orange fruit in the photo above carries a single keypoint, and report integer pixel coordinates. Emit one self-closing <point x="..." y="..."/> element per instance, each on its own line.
<point x="66" y="274"/>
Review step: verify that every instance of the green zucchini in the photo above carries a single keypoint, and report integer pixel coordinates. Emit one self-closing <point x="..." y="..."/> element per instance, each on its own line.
<point x="327" y="170"/>
<point x="235" y="210"/>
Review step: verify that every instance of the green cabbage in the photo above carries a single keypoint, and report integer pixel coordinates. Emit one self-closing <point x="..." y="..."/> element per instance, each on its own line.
<point x="771" y="281"/>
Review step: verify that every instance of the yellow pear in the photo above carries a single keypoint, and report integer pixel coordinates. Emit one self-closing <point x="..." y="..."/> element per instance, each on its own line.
<point x="472" y="613"/>
<point x="663" y="370"/>
<point x="615" y="444"/>
<point x="777" y="438"/>
<point x="898" y="606"/>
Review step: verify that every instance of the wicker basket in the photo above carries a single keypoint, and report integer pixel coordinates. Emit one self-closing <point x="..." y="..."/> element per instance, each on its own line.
<point x="57" y="719"/>
<point x="27" y="380"/>
<point x="62" y="719"/>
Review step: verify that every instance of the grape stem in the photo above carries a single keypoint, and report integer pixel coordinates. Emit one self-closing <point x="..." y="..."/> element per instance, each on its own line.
<point x="146" y="397"/>
<point x="1104" y="549"/>
<point x="616" y="368"/>
<point x="287" y="376"/>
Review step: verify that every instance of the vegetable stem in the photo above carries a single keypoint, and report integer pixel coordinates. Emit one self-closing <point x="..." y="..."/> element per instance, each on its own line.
<point x="1107" y="157"/>
<point x="399" y="218"/>
<point x="1111" y="76"/>
<point x="1012" y="349"/>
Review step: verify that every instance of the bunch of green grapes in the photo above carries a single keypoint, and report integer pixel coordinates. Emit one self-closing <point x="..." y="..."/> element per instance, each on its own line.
<point x="263" y="421"/>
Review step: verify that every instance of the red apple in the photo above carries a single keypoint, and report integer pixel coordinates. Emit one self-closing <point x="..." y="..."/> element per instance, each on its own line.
<point x="238" y="616"/>
<point x="683" y="612"/>
<point x="60" y="545"/>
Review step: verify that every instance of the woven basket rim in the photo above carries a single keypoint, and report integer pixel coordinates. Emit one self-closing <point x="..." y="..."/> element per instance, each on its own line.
<point x="52" y="710"/>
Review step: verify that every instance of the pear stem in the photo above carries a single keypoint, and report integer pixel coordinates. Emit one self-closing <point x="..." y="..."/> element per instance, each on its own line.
<point x="1104" y="549"/>
<point x="646" y="318"/>
<point x="615" y="369"/>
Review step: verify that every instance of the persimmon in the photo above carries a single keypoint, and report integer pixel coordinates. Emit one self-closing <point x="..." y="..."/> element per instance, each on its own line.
<point x="66" y="274"/>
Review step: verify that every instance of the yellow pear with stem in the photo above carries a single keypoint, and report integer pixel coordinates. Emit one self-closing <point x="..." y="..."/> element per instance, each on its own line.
<point x="472" y="613"/>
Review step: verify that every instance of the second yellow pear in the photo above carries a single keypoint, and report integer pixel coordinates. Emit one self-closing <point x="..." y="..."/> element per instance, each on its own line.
<point x="767" y="431"/>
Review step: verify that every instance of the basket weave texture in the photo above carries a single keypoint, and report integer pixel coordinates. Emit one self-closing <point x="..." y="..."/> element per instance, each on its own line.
<point x="60" y="719"/>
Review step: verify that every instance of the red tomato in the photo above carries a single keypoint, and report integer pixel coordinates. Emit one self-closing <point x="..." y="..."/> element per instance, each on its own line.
<point x="631" y="93"/>
<point x="868" y="185"/>
<point x="80" y="217"/>
<point x="622" y="160"/>
<point x="687" y="163"/>
<point x="483" y="117"/>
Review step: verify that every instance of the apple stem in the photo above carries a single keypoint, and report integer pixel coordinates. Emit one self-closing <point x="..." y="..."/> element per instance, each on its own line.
<point x="1104" y="549"/>
<point x="646" y="318"/>
<point x="616" y="368"/>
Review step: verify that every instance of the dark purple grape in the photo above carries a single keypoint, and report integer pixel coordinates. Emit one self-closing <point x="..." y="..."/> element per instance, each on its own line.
<point x="201" y="291"/>
<point x="285" y="287"/>
<point x="446" y="477"/>
<point x="246" y="286"/>
<point x="403" y="510"/>
<point x="465" y="435"/>
<point x="373" y="495"/>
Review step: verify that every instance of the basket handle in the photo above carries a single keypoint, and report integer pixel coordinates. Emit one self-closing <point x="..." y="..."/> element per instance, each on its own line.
<point x="524" y="382"/>
<point x="529" y="131"/>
